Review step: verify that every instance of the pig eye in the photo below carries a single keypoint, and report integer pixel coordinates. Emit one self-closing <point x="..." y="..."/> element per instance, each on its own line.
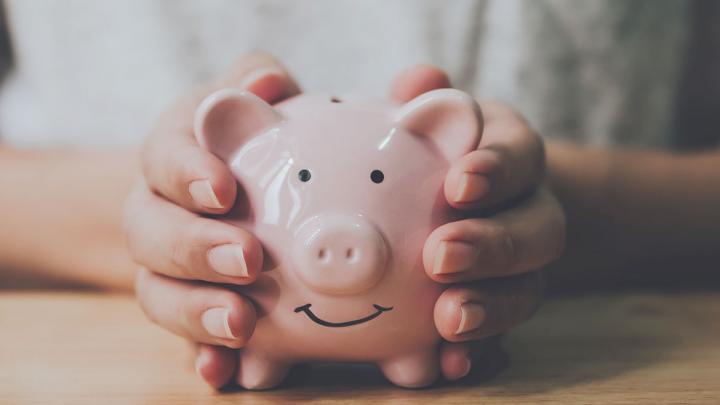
<point x="304" y="175"/>
<point x="377" y="176"/>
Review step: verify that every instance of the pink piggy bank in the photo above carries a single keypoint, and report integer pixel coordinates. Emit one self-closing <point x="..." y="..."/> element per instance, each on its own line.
<point x="342" y="193"/>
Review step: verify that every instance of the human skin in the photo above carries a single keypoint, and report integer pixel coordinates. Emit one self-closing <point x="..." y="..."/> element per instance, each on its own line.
<point x="524" y="231"/>
<point x="636" y="218"/>
<point x="671" y="199"/>
<point x="61" y="222"/>
<point x="650" y="199"/>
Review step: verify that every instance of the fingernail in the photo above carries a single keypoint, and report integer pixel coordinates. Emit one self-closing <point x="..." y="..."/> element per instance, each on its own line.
<point x="471" y="187"/>
<point x="258" y="74"/>
<point x="454" y="257"/>
<point x="202" y="192"/>
<point x="216" y="322"/>
<point x="201" y="362"/>
<point x="228" y="260"/>
<point x="471" y="317"/>
<point x="270" y="84"/>
<point x="468" y="366"/>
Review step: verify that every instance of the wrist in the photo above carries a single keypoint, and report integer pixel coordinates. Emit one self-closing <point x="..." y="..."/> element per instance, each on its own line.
<point x="583" y="174"/>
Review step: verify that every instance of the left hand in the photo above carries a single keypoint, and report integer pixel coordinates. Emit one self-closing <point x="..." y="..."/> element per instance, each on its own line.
<point x="489" y="260"/>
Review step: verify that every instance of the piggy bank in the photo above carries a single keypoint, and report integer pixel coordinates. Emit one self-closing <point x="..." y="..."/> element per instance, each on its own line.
<point x="342" y="193"/>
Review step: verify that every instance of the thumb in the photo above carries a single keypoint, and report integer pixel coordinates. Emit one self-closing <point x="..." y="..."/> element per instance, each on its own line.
<point x="262" y="75"/>
<point x="417" y="80"/>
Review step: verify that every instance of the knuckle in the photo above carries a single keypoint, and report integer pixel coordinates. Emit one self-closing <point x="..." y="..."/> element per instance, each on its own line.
<point x="502" y="253"/>
<point x="193" y="306"/>
<point x="150" y="315"/>
<point x="234" y="233"/>
<point x="196" y="296"/>
<point x="496" y="108"/>
<point x="515" y="300"/>
<point x="507" y="249"/>
<point x="181" y="169"/>
<point x="498" y="111"/>
<point x="130" y="220"/>
<point x="142" y="292"/>
<point x="181" y="249"/>
<point x="177" y="255"/>
<point x="133" y="202"/>
<point x="155" y="156"/>
<point x="141" y="281"/>
<point x="530" y="150"/>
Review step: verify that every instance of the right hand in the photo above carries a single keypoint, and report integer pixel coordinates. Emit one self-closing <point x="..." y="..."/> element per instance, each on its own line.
<point x="176" y="245"/>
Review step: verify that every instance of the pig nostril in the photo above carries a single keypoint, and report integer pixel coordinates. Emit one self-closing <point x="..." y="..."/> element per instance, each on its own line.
<point x="351" y="255"/>
<point x="338" y="254"/>
<point x="323" y="255"/>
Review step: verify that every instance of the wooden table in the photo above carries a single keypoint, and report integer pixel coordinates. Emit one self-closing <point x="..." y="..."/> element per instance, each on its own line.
<point x="626" y="348"/>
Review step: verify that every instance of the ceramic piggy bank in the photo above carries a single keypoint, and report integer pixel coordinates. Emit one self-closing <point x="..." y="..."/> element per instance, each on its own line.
<point x="342" y="193"/>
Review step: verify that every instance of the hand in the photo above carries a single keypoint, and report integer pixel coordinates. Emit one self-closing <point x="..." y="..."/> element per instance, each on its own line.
<point x="514" y="171"/>
<point x="494" y="285"/>
<point x="176" y="245"/>
<point x="489" y="260"/>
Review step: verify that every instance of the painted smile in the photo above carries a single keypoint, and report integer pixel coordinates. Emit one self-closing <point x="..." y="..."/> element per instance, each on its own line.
<point x="306" y="309"/>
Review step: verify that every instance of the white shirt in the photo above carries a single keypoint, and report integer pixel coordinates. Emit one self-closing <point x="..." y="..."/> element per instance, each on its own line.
<point x="90" y="73"/>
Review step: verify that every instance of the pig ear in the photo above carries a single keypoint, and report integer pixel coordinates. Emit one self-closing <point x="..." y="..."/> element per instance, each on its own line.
<point x="449" y="118"/>
<point x="228" y="118"/>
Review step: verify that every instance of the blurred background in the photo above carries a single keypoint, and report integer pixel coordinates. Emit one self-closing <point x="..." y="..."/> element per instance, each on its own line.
<point x="605" y="72"/>
<point x="86" y="75"/>
<point x="90" y="78"/>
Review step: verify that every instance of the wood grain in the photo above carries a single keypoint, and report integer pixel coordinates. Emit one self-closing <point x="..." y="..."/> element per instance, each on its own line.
<point x="626" y="349"/>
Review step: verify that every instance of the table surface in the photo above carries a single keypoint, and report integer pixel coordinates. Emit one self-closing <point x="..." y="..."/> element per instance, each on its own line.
<point x="74" y="347"/>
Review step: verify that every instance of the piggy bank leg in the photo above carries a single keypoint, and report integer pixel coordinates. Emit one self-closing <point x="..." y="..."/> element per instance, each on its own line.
<point x="413" y="370"/>
<point x="257" y="372"/>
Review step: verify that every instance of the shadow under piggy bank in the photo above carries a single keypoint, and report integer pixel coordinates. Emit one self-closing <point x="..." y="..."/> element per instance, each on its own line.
<point x="578" y="340"/>
<point x="571" y="341"/>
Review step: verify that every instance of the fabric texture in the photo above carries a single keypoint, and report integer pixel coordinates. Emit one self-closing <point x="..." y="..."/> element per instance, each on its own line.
<point x="91" y="73"/>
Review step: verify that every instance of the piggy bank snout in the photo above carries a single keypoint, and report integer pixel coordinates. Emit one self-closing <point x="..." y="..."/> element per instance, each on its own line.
<point x="337" y="254"/>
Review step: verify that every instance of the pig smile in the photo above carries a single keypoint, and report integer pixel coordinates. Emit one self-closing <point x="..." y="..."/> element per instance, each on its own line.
<point x="306" y="309"/>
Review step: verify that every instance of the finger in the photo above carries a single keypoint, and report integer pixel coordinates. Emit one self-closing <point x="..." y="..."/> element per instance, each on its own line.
<point x="479" y="310"/>
<point x="509" y="162"/>
<point x="263" y="75"/>
<point x="417" y="80"/>
<point x="216" y="365"/>
<point x="512" y="242"/>
<point x="176" y="167"/>
<point x="184" y="173"/>
<point x="202" y="313"/>
<point x="455" y="361"/>
<point x="180" y="244"/>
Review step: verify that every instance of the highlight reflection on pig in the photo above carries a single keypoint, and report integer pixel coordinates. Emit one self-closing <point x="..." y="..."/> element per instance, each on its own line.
<point x="342" y="193"/>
